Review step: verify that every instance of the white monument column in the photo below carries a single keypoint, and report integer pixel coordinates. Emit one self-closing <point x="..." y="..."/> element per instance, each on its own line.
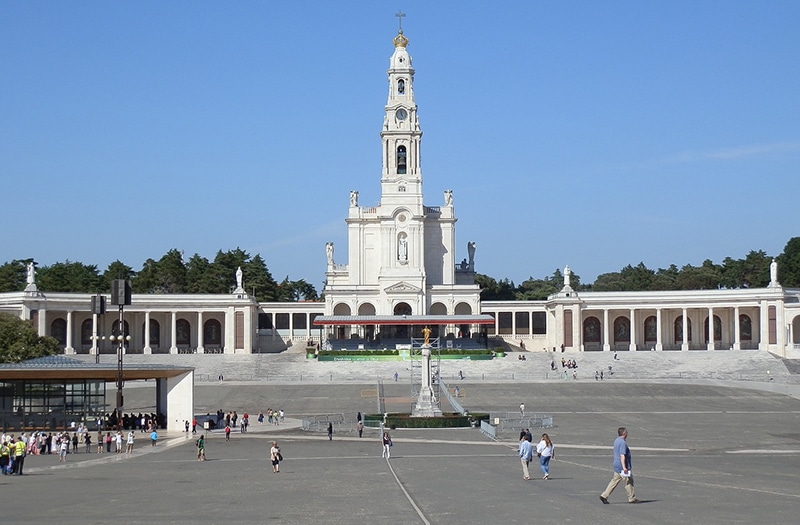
<point x="147" y="349"/>
<point x="711" y="345"/>
<point x="632" y="346"/>
<point x="659" y="339"/>
<point x="685" y="342"/>
<point x="68" y="348"/>
<point x="737" y="341"/>
<point x="606" y="344"/>
<point x="200" y="342"/>
<point x="173" y="348"/>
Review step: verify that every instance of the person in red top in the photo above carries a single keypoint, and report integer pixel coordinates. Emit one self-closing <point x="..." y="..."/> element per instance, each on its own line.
<point x="227" y="432"/>
<point x="194" y="425"/>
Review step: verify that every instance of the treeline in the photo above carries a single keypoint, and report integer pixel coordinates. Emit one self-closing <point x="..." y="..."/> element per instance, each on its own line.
<point x="170" y="274"/>
<point x="749" y="272"/>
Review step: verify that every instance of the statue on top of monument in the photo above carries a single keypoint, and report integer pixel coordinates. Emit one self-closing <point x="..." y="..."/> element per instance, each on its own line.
<point x="426" y="333"/>
<point x="471" y="252"/>
<point x="353" y="198"/>
<point x="31" y="276"/>
<point x="239" y="278"/>
<point x="448" y="197"/>
<point x="567" y="275"/>
<point x="329" y="252"/>
<point x="773" y="273"/>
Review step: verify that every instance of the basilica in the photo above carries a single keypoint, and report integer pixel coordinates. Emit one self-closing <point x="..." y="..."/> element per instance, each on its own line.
<point x="402" y="271"/>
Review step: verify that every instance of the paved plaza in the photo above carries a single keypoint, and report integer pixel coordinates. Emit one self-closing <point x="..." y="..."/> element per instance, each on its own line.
<point x="704" y="451"/>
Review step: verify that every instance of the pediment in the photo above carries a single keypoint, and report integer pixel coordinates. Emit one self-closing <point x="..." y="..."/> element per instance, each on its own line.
<point x="402" y="287"/>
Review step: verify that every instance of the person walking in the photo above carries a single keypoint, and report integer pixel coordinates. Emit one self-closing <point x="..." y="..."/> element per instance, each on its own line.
<point x="622" y="468"/>
<point x="360" y="427"/>
<point x="387" y="443"/>
<point x="227" y="432"/>
<point x="330" y="431"/>
<point x="546" y="451"/>
<point x="153" y="438"/>
<point x="201" y="447"/>
<point x="522" y="410"/>
<point x="525" y="456"/>
<point x="275" y="457"/>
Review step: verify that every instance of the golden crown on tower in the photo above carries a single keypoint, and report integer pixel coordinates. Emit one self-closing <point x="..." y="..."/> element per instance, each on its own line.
<point x="400" y="40"/>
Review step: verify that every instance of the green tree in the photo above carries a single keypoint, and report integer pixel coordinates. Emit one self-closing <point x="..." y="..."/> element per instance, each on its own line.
<point x="705" y="277"/>
<point x="12" y="276"/>
<point x="257" y="277"/>
<point x="69" y="277"/>
<point x="165" y="276"/>
<point x="666" y="279"/>
<point x="198" y="275"/>
<point x="115" y="270"/>
<point x="789" y="264"/>
<point x="492" y="290"/>
<point x="19" y="341"/>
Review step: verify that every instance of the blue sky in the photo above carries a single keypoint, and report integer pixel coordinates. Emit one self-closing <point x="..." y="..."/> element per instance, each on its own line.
<point x="594" y="134"/>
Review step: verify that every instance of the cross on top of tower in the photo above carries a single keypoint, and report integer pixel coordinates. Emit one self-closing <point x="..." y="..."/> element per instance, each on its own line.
<point x="400" y="15"/>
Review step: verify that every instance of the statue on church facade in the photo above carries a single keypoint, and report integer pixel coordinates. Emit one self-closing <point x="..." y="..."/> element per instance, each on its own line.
<point x="329" y="252"/>
<point x="567" y="275"/>
<point x="353" y="199"/>
<point x="471" y="252"/>
<point x="448" y="197"/>
<point x="239" y="284"/>
<point x="773" y="274"/>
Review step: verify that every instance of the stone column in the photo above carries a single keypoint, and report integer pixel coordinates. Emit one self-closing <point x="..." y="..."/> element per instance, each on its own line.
<point x="200" y="342"/>
<point x="42" y="316"/>
<point x="94" y="350"/>
<point x="68" y="348"/>
<point x="147" y="349"/>
<point x="763" y="326"/>
<point x="737" y="341"/>
<point x="711" y="345"/>
<point x="173" y="347"/>
<point x="659" y="338"/>
<point x="632" y="346"/>
<point x="685" y="342"/>
<point x="606" y="344"/>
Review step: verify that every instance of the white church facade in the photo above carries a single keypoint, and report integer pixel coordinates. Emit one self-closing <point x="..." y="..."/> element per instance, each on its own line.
<point x="404" y="271"/>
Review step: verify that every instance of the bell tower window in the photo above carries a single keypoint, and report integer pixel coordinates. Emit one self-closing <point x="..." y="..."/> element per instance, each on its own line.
<point x="401" y="160"/>
<point x="401" y="87"/>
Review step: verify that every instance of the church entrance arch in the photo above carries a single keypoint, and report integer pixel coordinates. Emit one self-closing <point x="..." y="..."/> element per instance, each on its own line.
<point x="369" y="330"/>
<point x="464" y="330"/>
<point x="341" y="331"/>
<point x="401" y="331"/>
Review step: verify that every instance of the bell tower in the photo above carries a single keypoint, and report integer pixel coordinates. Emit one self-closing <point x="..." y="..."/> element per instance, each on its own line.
<point x="401" y="180"/>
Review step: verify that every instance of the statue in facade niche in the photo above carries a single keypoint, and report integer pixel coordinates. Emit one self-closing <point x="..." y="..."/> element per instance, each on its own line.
<point x="402" y="249"/>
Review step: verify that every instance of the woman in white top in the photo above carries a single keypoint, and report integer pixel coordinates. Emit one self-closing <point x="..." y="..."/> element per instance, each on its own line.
<point x="546" y="451"/>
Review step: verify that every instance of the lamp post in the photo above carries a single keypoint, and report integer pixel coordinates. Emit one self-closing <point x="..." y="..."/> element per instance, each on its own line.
<point x="120" y="296"/>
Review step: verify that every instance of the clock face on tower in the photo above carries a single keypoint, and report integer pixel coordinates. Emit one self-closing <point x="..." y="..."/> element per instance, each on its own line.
<point x="401" y="114"/>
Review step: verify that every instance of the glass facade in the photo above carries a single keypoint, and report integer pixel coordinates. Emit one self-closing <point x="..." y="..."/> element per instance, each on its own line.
<point x="50" y="405"/>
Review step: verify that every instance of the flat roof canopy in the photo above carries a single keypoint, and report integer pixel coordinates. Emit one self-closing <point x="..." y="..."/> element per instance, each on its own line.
<point x="60" y="367"/>
<point x="416" y="320"/>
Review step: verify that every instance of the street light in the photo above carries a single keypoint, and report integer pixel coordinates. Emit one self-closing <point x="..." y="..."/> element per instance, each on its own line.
<point x="120" y="296"/>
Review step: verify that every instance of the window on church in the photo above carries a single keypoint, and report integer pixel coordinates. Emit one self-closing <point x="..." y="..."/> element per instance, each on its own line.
<point x="539" y="323"/>
<point x="401" y="160"/>
<point x="401" y="87"/>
